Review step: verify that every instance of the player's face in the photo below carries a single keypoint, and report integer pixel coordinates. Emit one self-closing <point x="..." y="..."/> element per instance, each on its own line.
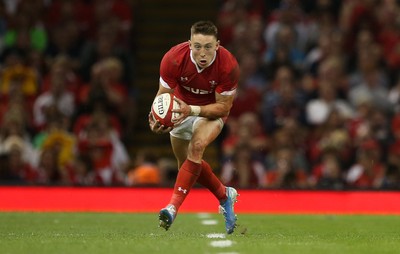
<point x="203" y="48"/>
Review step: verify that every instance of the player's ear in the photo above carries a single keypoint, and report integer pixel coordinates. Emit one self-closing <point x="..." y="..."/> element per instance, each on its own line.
<point x="190" y="44"/>
<point x="217" y="45"/>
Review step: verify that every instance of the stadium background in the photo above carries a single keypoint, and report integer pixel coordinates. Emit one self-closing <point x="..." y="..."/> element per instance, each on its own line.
<point x="84" y="43"/>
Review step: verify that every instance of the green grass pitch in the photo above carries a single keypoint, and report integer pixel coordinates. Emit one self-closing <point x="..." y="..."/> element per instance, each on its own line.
<point x="139" y="233"/>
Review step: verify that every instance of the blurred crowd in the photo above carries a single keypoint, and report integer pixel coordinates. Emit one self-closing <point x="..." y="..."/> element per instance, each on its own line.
<point x="318" y="102"/>
<point x="66" y="91"/>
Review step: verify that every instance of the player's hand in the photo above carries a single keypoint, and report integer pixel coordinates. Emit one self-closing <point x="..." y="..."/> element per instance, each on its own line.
<point x="156" y="127"/>
<point x="183" y="111"/>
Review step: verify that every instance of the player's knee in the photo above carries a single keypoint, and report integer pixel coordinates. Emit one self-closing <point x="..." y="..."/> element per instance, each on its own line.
<point x="198" y="147"/>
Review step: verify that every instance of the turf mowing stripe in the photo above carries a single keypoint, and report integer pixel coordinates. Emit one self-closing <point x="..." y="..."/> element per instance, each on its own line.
<point x="127" y="233"/>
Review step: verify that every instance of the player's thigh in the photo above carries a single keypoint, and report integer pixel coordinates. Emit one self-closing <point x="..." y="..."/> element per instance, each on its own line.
<point x="206" y="130"/>
<point x="180" y="149"/>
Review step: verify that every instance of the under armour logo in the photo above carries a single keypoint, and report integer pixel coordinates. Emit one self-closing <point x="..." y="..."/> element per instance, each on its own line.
<point x="183" y="190"/>
<point x="184" y="79"/>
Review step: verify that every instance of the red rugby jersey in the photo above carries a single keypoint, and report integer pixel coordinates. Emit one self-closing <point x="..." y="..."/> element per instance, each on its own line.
<point x="178" y="71"/>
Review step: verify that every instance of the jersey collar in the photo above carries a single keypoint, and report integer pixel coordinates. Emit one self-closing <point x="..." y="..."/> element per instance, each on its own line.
<point x="195" y="64"/>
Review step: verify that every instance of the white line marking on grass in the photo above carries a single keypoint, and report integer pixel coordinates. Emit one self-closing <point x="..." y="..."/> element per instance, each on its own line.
<point x="216" y="235"/>
<point x="204" y="215"/>
<point x="205" y="220"/>
<point x="222" y="243"/>
<point x="209" y="222"/>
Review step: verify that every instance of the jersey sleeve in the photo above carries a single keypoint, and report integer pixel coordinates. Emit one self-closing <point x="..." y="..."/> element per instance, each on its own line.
<point x="230" y="76"/>
<point x="168" y="69"/>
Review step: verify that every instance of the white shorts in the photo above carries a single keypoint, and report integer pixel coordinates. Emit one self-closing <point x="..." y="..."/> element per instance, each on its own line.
<point x="186" y="128"/>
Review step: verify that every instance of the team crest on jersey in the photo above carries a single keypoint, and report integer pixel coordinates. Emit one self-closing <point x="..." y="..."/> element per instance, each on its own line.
<point x="213" y="84"/>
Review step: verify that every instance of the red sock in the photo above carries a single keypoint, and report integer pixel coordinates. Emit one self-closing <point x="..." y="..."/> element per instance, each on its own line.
<point x="187" y="176"/>
<point x="209" y="180"/>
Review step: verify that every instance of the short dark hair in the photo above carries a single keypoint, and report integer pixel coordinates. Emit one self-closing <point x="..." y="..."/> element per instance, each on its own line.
<point x="205" y="28"/>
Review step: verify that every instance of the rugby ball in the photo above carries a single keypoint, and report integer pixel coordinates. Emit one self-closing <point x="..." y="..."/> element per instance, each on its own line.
<point x="162" y="109"/>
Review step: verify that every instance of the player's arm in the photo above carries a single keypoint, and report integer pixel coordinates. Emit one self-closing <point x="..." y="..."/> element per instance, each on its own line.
<point x="221" y="108"/>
